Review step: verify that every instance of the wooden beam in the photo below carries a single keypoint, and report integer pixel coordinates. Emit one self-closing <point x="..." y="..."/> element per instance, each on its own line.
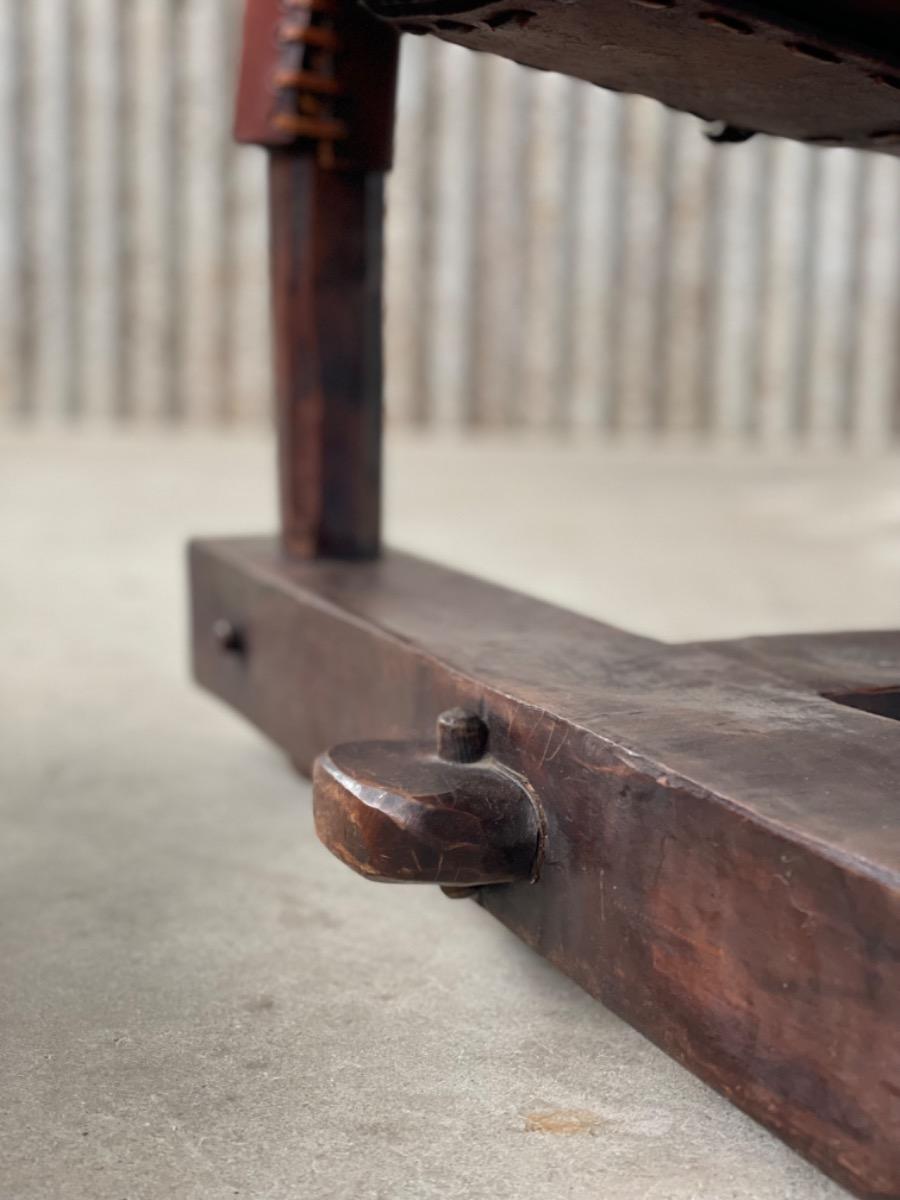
<point x="721" y="861"/>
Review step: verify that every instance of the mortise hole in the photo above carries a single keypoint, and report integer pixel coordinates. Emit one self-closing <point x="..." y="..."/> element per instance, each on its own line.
<point x="880" y="702"/>
<point x="889" y="80"/>
<point x="510" y="16"/>
<point x="810" y="51"/>
<point x="891" y="136"/>
<point x="411" y="27"/>
<point x="230" y="638"/>
<point x="721" y="21"/>
<point x="655" y="3"/>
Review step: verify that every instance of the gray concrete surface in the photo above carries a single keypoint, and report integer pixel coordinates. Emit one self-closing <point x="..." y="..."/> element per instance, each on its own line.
<point x="195" y="1000"/>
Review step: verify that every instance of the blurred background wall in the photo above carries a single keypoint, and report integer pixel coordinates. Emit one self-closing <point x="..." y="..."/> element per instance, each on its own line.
<point x="559" y="258"/>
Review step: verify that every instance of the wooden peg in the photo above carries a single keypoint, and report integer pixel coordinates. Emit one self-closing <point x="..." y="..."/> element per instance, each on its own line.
<point x="404" y="812"/>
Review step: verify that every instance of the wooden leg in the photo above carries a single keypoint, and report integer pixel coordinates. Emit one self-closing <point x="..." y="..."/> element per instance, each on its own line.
<point x="326" y="237"/>
<point x="317" y="88"/>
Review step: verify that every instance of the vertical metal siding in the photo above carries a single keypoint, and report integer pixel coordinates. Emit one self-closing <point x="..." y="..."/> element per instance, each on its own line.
<point x="559" y="258"/>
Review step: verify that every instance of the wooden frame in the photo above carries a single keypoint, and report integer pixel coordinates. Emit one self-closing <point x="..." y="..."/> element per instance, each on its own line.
<point x="722" y="864"/>
<point x="705" y="837"/>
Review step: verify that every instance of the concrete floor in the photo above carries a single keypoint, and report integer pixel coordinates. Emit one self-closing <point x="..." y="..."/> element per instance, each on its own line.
<point x="195" y="1000"/>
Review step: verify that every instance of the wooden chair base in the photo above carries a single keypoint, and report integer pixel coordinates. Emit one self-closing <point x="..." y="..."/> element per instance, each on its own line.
<point x="720" y="857"/>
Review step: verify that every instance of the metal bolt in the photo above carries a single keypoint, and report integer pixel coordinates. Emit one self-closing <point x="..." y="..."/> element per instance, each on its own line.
<point x="228" y="636"/>
<point x="461" y="736"/>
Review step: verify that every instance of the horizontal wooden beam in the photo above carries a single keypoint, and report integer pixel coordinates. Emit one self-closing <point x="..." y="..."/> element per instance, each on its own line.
<point x="721" y="862"/>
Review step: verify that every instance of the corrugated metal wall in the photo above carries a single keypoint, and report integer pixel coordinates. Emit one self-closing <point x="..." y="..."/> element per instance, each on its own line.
<point x="559" y="258"/>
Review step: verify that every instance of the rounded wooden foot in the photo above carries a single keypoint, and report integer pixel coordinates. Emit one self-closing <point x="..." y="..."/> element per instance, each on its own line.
<point x="412" y="812"/>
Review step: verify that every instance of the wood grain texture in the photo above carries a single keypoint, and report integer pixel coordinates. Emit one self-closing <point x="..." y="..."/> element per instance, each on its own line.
<point x="825" y="662"/>
<point x="821" y="73"/>
<point x="399" y="812"/>
<point x="259" y="62"/>
<point x="317" y="88"/>
<point x="722" y="859"/>
<point x="326" y="255"/>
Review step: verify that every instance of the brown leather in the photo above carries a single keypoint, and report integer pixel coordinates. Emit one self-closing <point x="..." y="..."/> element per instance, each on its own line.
<point x="827" y="73"/>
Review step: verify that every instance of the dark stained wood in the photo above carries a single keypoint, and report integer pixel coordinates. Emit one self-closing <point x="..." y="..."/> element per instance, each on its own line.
<point x="825" y="662"/>
<point x="401" y="812"/>
<point x="317" y="88"/>
<point x="260" y="52"/>
<point x="461" y="737"/>
<point x="855" y="669"/>
<point x="826" y="73"/>
<point x="722" y="855"/>
<point x="326" y="231"/>
<point x="293" y="92"/>
<point x="870" y="22"/>
<point x="367" y="70"/>
<point x="705" y="837"/>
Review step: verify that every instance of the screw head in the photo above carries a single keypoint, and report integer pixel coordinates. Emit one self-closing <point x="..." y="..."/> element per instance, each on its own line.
<point x="461" y="736"/>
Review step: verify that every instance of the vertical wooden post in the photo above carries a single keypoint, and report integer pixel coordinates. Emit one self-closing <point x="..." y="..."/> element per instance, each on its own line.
<point x="326" y="231"/>
<point x="317" y="90"/>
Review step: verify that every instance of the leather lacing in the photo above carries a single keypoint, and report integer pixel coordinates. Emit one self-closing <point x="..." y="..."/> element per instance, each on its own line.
<point x="307" y="87"/>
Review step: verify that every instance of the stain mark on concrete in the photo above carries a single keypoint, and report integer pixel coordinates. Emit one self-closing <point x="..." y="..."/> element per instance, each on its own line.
<point x="564" y="1122"/>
